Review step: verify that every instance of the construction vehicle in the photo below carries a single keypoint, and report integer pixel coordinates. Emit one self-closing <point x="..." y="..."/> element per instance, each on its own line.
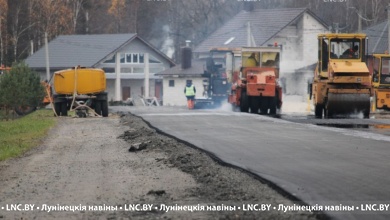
<point x="215" y="86"/>
<point x="379" y="67"/>
<point x="254" y="74"/>
<point x="81" y="90"/>
<point x="341" y="83"/>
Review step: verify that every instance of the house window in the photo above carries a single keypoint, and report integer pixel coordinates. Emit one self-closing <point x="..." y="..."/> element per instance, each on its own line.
<point x="171" y="83"/>
<point x="111" y="60"/>
<point x="153" y="59"/>
<point x="134" y="58"/>
<point x="128" y="58"/>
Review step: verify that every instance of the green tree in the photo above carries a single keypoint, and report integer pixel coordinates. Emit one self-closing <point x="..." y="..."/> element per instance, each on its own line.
<point x="21" y="89"/>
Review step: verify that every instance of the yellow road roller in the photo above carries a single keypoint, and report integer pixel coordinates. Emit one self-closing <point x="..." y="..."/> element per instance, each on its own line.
<point x="342" y="81"/>
<point x="379" y="65"/>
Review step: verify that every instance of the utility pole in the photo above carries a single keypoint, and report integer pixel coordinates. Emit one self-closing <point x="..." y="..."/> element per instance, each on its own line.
<point x="146" y="70"/>
<point x="360" y="21"/>
<point x="47" y="58"/>
<point x="248" y="34"/>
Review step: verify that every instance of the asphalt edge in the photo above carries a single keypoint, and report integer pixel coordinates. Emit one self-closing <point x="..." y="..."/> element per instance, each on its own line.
<point x="320" y="215"/>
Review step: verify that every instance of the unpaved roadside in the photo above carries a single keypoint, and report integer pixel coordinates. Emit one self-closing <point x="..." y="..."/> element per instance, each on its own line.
<point x="86" y="163"/>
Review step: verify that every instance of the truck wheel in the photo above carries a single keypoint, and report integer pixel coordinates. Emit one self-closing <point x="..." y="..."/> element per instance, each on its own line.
<point x="366" y="114"/>
<point x="57" y="108"/>
<point x="254" y="105"/>
<point x="64" y="108"/>
<point x="244" y="106"/>
<point x="98" y="107"/>
<point x="104" y="108"/>
<point x="318" y="110"/>
<point x="328" y="114"/>
<point x="272" y="105"/>
<point x="264" y="105"/>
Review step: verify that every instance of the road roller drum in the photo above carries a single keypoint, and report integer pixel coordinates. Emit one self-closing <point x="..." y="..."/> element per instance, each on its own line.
<point x="338" y="103"/>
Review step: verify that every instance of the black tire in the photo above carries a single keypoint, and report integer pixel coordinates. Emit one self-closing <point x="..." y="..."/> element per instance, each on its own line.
<point x="57" y="108"/>
<point x="98" y="107"/>
<point x="254" y="105"/>
<point x="366" y="114"/>
<point x="104" y="108"/>
<point x="318" y="109"/>
<point x="328" y="114"/>
<point x="273" y="105"/>
<point x="244" y="105"/>
<point x="264" y="105"/>
<point x="64" y="109"/>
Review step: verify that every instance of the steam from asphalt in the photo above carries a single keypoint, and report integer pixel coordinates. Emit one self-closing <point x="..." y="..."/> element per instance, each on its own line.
<point x="226" y="107"/>
<point x="167" y="46"/>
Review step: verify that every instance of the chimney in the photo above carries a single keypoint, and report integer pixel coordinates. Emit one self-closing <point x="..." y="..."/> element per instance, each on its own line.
<point x="186" y="55"/>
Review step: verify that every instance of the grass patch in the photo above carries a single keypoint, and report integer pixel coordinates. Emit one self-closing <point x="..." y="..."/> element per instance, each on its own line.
<point x="18" y="136"/>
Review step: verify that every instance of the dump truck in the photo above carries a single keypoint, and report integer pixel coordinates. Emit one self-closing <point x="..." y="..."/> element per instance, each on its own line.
<point x="215" y="84"/>
<point x="342" y="82"/>
<point x="254" y="75"/>
<point x="379" y="66"/>
<point x="80" y="89"/>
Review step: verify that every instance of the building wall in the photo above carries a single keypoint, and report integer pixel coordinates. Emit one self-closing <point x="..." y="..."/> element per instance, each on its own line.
<point x="311" y="29"/>
<point x="300" y="49"/>
<point x="299" y="40"/>
<point x="174" y="96"/>
<point x="135" y="88"/>
<point x="135" y="46"/>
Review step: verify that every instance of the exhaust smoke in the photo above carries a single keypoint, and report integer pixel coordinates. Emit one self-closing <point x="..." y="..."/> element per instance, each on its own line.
<point x="167" y="46"/>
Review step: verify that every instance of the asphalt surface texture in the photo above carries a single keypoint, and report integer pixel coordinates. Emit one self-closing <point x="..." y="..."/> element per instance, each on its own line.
<point x="338" y="164"/>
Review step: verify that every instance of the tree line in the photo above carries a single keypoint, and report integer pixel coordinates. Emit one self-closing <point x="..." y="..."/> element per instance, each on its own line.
<point x="164" y="23"/>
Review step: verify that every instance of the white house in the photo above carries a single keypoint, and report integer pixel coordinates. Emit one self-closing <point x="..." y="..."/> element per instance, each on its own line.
<point x="101" y="51"/>
<point x="296" y="29"/>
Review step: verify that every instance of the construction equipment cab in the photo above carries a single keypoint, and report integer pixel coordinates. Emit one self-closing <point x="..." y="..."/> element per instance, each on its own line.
<point x="341" y="84"/>
<point x="379" y="66"/>
<point x="255" y="74"/>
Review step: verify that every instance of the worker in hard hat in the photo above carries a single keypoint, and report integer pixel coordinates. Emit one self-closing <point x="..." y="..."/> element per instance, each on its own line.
<point x="251" y="61"/>
<point x="190" y="92"/>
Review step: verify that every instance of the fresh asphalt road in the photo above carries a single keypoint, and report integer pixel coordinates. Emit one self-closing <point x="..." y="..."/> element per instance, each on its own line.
<point x="319" y="165"/>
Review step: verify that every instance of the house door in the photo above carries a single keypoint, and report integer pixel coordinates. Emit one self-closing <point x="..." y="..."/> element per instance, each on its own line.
<point x="158" y="90"/>
<point x="125" y="92"/>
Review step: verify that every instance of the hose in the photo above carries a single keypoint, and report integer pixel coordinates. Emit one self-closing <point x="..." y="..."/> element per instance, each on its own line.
<point x="75" y="94"/>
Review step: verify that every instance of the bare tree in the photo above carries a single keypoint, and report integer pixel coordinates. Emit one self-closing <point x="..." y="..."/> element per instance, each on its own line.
<point x="118" y="10"/>
<point x="3" y="16"/>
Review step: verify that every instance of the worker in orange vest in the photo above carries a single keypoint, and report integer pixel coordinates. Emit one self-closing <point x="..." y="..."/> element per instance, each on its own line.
<point x="190" y="92"/>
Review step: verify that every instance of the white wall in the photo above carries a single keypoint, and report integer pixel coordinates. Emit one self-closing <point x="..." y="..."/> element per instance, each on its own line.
<point x="310" y="32"/>
<point x="174" y="96"/>
<point x="299" y="40"/>
<point x="136" y="46"/>
<point x="135" y="88"/>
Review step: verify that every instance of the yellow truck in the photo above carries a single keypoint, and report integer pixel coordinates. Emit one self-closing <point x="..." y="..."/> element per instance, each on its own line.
<point x="80" y="89"/>
<point x="342" y="82"/>
<point x="379" y="65"/>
